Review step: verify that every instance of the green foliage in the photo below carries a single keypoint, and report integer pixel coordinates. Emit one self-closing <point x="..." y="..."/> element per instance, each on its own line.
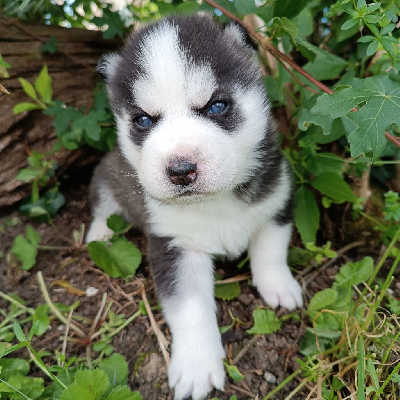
<point x="306" y="214"/>
<point x="95" y="385"/>
<point x="330" y="139"/>
<point x="233" y="372"/>
<point x="3" y="68"/>
<point x="76" y="128"/>
<point x="112" y="20"/>
<point x="71" y="379"/>
<point x="227" y="291"/>
<point x="51" y="46"/>
<point x="381" y="96"/>
<point x="265" y="321"/>
<point x="41" y="172"/>
<point x="41" y="92"/>
<point x="25" y="248"/>
<point x="121" y="258"/>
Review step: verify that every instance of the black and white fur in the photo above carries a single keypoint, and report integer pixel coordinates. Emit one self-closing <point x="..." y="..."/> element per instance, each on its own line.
<point x="240" y="199"/>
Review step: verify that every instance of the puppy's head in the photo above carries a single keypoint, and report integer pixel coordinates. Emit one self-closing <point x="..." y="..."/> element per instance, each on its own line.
<point x="190" y="107"/>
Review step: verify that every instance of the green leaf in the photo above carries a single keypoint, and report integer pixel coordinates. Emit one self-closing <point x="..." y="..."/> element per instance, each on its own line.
<point x="323" y="299"/>
<point x="318" y="68"/>
<point x="31" y="388"/>
<point x="42" y="318"/>
<point x="28" y="88"/>
<point x="115" y="26"/>
<point x="233" y="372"/>
<point x="309" y="50"/>
<point x="321" y="163"/>
<point x="117" y="224"/>
<point x="63" y="117"/>
<point x="116" y="368"/>
<point x="25" y="249"/>
<point x="372" y="372"/>
<point x="372" y="47"/>
<point x="306" y="214"/>
<point x="123" y="393"/>
<point x="22" y="107"/>
<point x="33" y="330"/>
<point x="283" y="27"/>
<point x="50" y="46"/>
<point x="381" y="99"/>
<point x="29" y="174"/>
<point x="299" y="256"/>
<point x="43" y="85"/>
<point x="387" y="29"/>
<point x="265" y="321"/>
<point x="227" y="291"/>
<point x="334" y="186"/>
<point x="304" y="22"/>
<point x="19" y="332"/>
<point x="366" y="39"/>
<point x="245" y="7"/>
<point x="349" y="24"/>
<point x="307" y="118"/>
<point x="288" y="8"/>
<point x="120" y="260"/>
<point x="88" y="124"/>
<point x="396" y="378"/>
<point x="354" y="273"/>
<point x="88" y="385"/>
<point x="361" y="369"/>
<point x="13" y="366"/>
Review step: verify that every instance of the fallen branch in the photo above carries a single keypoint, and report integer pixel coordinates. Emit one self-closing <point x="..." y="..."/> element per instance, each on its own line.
<point x="162" y="341"/>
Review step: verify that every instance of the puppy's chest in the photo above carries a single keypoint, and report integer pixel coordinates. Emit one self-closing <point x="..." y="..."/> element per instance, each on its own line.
<point x="218" y="227"/>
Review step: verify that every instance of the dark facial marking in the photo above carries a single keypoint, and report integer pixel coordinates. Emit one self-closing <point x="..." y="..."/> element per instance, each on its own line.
<point x="265" y="178"/>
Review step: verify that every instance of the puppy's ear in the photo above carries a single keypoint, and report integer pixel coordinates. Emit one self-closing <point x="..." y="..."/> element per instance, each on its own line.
<point x="108" y="65"/>
<point x="237" y="33"/>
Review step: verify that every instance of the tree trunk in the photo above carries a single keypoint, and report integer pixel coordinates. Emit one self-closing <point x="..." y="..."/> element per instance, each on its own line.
<point x="73" y="73"/>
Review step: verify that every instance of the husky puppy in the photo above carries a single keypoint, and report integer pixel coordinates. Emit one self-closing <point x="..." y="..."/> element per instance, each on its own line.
<point x="196" y="167"/>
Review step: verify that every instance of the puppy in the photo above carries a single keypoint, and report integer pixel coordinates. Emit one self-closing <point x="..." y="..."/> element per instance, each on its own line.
<point x="196" y="167"/>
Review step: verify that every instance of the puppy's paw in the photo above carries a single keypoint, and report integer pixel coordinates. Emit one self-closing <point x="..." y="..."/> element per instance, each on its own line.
<point x="278" y="288"/>
<point x="98" y="231"/>
<point x="196" y="374"/>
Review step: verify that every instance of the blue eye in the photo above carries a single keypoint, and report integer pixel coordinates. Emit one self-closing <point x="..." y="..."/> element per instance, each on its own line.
<point x="217" y="107"/>
<point x="143" y="121"/>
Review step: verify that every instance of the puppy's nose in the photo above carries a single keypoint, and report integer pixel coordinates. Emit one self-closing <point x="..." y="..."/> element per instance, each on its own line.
<point x="181" y="172"/>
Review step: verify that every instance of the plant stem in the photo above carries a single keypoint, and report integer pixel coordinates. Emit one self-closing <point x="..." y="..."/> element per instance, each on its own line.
<point x="53" y="308"/>
<point x="127" y="322"/>
<point x="387" y="380"/>
<point x="16" y="303"/>
<point x="60" y="248"/>
<point x="265" y="43"/>
<point x="383" y="259"/>
<point x="40" y="364"/>
<point x="16" y="390"/>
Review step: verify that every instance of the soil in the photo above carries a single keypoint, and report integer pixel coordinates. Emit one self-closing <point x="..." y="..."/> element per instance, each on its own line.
<point x="265" y="361"/>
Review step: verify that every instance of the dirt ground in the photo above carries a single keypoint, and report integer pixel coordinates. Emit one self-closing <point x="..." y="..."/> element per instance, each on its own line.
<point x="265" y="361"/>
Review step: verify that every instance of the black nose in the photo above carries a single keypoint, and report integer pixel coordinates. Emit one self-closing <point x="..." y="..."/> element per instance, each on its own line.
<point x="182" y="172"/>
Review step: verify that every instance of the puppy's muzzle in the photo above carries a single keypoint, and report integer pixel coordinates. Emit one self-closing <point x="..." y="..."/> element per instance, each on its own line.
<point x="181" y="172"/>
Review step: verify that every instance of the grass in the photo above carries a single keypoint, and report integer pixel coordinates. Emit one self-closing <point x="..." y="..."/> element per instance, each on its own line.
<point x="350" y="350"/>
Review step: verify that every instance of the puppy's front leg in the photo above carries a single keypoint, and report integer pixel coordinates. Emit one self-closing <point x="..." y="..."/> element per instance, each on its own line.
<point x="270" y="272"/>
<point x="185" y="283"/>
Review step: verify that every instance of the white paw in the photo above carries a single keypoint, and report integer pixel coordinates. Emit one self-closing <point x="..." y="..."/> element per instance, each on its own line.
<point x="278" y="288"/>
<point x="98" y="231"/>
<point x="196" y="372"/>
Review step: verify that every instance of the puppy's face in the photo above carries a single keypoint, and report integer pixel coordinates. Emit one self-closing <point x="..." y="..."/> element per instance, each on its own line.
<point x="190" y="108"/>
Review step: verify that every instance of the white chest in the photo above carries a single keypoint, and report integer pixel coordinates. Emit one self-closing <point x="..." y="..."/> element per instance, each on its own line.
<point x="222" y="226"/>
